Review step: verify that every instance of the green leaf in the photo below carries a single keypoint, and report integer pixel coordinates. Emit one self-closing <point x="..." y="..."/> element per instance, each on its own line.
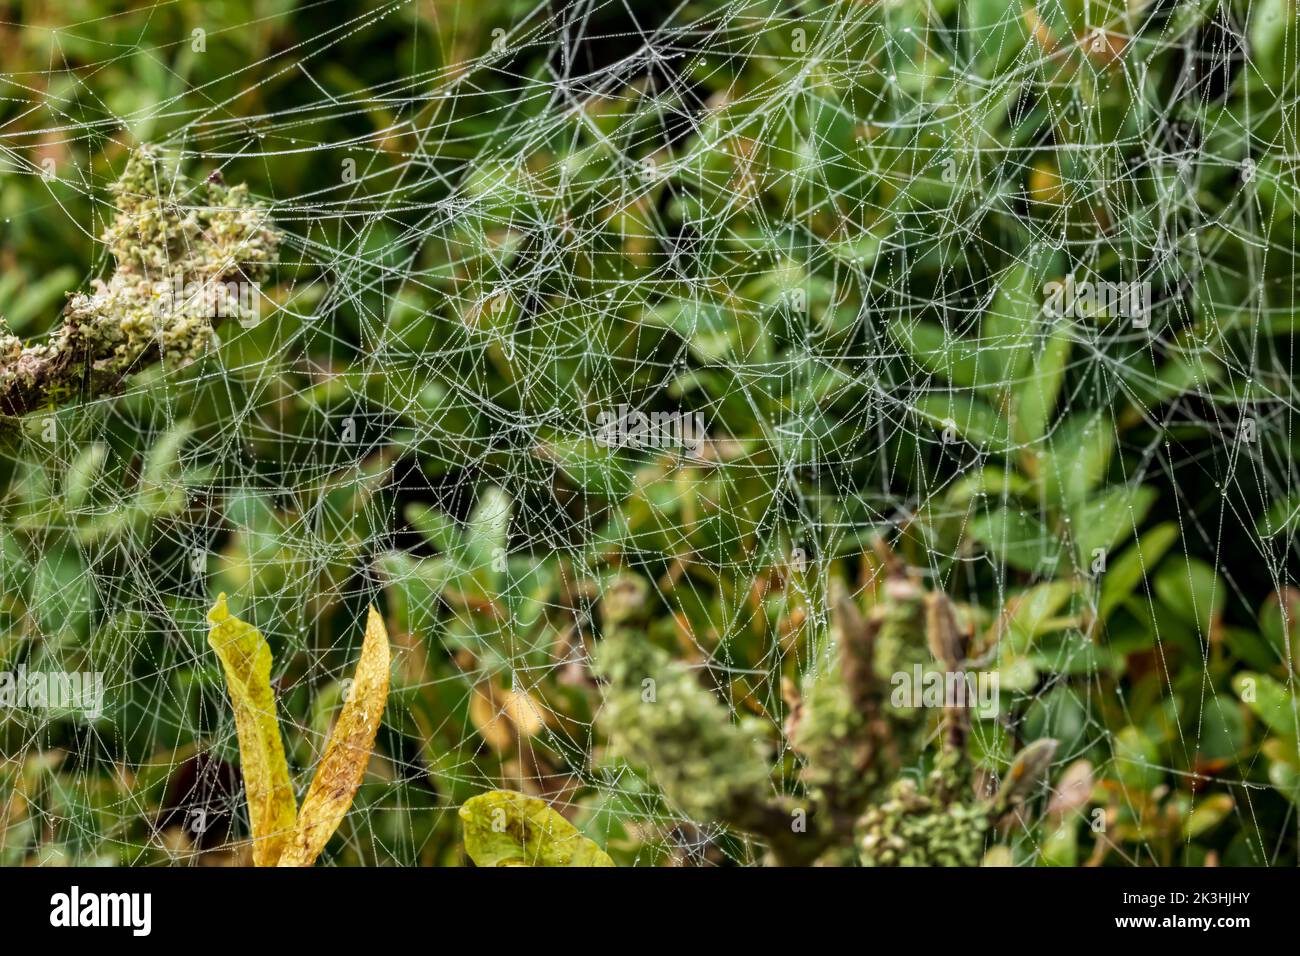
<point x="1278" y="628"/>
<point x="971" y="419"/>
<point x="1016" y="673"/>
<point x="996" y="33"/>
<point x="1219" y="729"/>
<point x="1077" y="459"/>
<point x="1030" y="613"/>
<point x="83" y="474"/>
<point x="1070" y="652"/>
<point x="708" y="328"/>
<point x="486" y="536"/>
<point x="1193" y="591"/>
<point x="996" y="483"/>
<point x="1269" y="700"/>
<point x="1103" y="521"/>
<point x="1286" y="779"/>
<point x="1212" y="810"/>
<point x="1250" y="648"/>
<point x="1282" y="517"/>
<point x="1273" y="32"/>
<point x="1010" y="325"/>
<point x="63" y="594"/>
<point x="42" y="298"/>
<point x="1035" y="398"/>
<point x="935" y="351"/>
<point x="504" y="828"/>
<point x="1019" y="539"/>
<point x="1137" y="760"/>
<point x="435" y="527"/>
<point x="1126" y="572"/>
<point x="1183" y="372"/>
<point x="1061" y="846"/>
<point x="164" y="457"/>
<point x="591" y="467"/>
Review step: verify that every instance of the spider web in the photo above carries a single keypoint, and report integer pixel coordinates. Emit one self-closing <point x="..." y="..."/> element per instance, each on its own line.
<point x="827" y="229"/>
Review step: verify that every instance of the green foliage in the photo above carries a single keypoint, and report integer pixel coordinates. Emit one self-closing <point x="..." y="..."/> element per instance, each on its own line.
<point x="838" y="253"/>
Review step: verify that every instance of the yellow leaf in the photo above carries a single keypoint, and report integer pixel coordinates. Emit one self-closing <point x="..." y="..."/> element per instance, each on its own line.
<point x="501" y="715"/>
<point x="504" y="828"/>
<point x="343" y="767"/>
<point x="524" y="711"/>
<point x="246" y="659"/>
<point x="483" y="714"/>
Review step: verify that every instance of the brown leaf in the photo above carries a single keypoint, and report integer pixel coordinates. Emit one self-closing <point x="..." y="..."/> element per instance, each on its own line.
<point x="1074" y="789"/>
<point x="1027" y="771"/>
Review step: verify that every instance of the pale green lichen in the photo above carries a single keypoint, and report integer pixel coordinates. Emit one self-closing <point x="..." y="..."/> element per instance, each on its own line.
<point x="850" y="735"/>
<point x="830" y="735"/>
<point x="945" y="825"/>
<point x="912" y="828"/>
<point x="902" y="642"/>
<point x="661" y="718"/>
<point x="855" y="745"/>
<point x="182" y="259"/>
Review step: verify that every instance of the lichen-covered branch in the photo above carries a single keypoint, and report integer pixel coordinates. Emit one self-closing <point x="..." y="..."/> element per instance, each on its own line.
<point x="182" y="260"/>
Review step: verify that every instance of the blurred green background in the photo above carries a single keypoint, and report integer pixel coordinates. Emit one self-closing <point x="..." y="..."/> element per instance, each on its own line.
<point x="825" y="226"/>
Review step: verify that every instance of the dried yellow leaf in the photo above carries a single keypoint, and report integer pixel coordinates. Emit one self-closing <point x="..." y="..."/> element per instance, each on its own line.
<point x="246" y="659"/>
<point x="483" y="715"/>
<point x="525" y="712"/>
<point x="500" y="716"/>
<point x="343" y="767"/>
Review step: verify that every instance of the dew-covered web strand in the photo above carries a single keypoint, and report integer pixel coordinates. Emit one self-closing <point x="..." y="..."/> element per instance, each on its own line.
<point x="527" y="119"/>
